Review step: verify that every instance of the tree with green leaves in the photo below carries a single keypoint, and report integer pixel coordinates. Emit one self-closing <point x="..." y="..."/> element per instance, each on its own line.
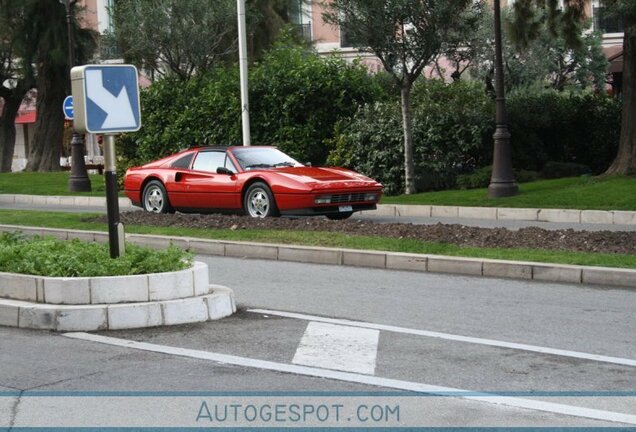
<point x="176" y="37"/>
<point x="47" y="38"/>
<point x="566" y="21"/>
<point x="546" y="61"/>
<point x="16" y="74"/>
<point x="406" y="36"/>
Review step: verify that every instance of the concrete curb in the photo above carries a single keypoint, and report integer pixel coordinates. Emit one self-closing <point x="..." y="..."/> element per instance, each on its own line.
<point x="607" y="217"/>
<point x="544" y="272"/>
<point x="23" y="314"/>
<point x="190" y="282"/>
<point x="124" y="203"/>
<point x="112" y="302"/>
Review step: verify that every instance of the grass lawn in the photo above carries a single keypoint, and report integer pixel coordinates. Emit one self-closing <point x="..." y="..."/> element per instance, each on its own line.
<point x="49" y="183"/>
<point x="585" y="193"/>
<point x="74" y="221"/>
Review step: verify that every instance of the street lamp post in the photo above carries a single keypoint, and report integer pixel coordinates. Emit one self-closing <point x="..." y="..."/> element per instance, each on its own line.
<point x="245" y="104"/>
<point x="78" y="180"/>
<point x="502" y="182"/>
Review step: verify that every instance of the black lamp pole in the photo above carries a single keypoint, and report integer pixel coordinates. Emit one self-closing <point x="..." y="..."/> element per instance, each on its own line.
<point x="502" y="182"/>
<point x="78" y="180"/>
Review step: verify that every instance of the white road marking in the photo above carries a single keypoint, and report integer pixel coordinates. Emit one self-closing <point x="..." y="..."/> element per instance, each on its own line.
<point x="363" y="379"/>
<point x="452" y="337"/>
<point x="345" y="348"/>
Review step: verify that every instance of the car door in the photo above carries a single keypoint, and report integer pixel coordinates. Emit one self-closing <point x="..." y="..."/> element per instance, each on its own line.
<point x="201" y="187"/>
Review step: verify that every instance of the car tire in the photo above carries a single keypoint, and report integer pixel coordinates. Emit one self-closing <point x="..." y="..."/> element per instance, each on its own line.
<point x="258" y="201"/>
<point x="155" y="198"/>
<point x="339" y="216"/>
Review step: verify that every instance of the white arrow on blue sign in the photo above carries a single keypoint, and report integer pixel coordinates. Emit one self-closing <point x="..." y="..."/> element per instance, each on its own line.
<point x="107" y="98"/>
<point x="67" y="107"/>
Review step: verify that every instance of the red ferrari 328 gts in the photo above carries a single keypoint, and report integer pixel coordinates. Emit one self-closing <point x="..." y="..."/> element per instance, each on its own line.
<point x="257" y="180"/>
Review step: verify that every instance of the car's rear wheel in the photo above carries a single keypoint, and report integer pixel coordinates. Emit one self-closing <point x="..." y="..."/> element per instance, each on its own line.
<point x="155" y="198"/>
<point x="259" y="201"/>
<point x="339" y="216"/>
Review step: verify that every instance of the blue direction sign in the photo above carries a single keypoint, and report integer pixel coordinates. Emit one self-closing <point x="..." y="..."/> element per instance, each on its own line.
<point x="107" y="98"/>
<point x="67" y="107"/>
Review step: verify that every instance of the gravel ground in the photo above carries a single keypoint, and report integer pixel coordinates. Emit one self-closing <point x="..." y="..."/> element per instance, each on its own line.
<point x="532" y="237"/>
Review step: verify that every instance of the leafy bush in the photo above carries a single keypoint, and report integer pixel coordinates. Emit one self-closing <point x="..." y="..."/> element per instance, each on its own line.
<point x="450" y="126"/>
<point x="296" y="97"/>
<point x="480" y="178"/>
<point x="372" y="144"/>
<point x="45" y="256"/>
<point x="578" y="128"/>
<point x="553" y="170"/>
<point x="453" y="127"/>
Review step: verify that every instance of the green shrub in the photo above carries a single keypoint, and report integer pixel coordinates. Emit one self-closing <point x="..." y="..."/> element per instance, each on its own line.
<point x="45" y="256"/>
<point x="450" y="127"/>
<point x="553" y="170"/>
<point x="296" y="98"/>
<point x="480" y="178"/>
<point x="578" y="128"/>
<point x="372" y="144"/>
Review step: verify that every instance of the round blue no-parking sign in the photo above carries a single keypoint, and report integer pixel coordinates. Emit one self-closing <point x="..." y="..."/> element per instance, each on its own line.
<point x="67" y="107"/>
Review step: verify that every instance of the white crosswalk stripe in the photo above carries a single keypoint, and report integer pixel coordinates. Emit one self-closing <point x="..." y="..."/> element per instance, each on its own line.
<point x="338" y="347"/>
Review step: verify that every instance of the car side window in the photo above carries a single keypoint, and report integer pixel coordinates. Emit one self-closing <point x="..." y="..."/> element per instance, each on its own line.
<point x="229" y="164"/>
<point x="183" y="162"/>
<point x="209" y="161"/>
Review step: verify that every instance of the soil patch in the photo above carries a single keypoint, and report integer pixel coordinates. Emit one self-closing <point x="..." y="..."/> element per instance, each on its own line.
<point x="530" y="238"/>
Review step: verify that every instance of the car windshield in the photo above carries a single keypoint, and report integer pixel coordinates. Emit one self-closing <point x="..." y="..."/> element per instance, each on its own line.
<point x="262" y="158"/>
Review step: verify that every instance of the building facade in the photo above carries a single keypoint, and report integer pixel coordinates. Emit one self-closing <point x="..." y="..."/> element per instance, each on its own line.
<point x="330" y="40"/>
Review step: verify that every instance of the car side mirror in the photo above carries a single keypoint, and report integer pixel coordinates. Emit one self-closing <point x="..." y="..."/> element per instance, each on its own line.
<point x="223" y="170"/>
<point x="308" y="164"/>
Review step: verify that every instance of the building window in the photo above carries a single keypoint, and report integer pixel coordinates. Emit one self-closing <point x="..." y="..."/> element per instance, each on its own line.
<point x="300" y="17"/>
<point x="605" y="22"/>
<point x="303" y="31"/>
<point x="347" y="40"/>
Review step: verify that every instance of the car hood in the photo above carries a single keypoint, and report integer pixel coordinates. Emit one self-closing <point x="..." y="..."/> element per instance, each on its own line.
<point x="328" y="178"/>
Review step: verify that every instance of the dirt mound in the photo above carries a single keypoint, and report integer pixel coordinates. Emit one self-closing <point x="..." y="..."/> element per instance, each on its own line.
<point x="532" y="237"/>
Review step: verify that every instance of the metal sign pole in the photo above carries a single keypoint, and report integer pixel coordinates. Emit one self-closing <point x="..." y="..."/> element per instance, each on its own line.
<point x="115" y="228"/>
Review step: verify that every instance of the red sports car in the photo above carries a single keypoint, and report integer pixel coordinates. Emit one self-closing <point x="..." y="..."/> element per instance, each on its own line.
<point x="259" y="181"/>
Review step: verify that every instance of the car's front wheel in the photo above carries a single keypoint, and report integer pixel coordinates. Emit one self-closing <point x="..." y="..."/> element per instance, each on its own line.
<point x="155" y="198"/>
<point x="259" y="201"/>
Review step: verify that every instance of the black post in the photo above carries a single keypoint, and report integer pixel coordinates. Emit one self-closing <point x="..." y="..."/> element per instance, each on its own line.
<point x="115" y="228"/>
<point x="502" y="182"/>
<point x="78" y="180"/>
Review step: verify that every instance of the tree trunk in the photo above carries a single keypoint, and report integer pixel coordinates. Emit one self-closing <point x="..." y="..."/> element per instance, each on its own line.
<point x="7" y="132"/>
<point x="407" y="125"/>
<point x="625" y="162"/>
<point x="49" y="127"/>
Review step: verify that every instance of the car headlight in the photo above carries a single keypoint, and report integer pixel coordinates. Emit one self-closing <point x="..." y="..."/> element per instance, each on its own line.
<point x="323" y="200"/>
<point x="371" y="197"/>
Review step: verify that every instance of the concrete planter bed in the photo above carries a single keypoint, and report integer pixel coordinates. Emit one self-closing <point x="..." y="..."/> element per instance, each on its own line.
<point x="117" y="302"/>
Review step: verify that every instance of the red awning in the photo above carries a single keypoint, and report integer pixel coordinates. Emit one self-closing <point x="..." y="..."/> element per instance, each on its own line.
<point x="28" y="117"/>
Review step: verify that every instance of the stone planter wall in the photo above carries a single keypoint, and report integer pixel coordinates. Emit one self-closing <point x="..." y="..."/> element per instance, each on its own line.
<point x="118" y="302"/>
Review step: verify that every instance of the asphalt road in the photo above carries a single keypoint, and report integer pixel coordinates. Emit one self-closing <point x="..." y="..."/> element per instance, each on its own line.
<point x="404" y="310"/>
